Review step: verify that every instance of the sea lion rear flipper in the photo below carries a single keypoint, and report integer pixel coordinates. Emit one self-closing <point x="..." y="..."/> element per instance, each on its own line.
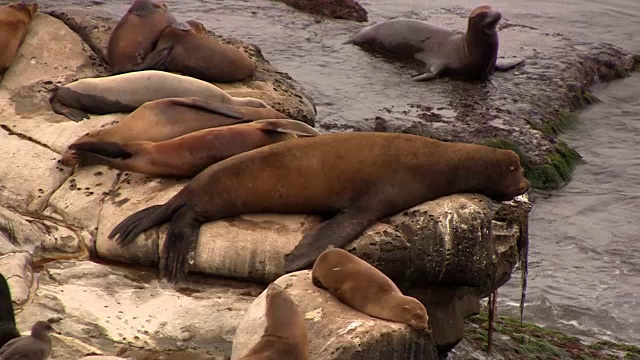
<point x="202" y="104"/>
<point x="8" y="329"/>
<point x="71" y="113"/>
<point x="181" y="240"/>
<point x="506" y="65"/>
<point x="294" y="127"/>
<point x="104" y="148"/>
<point x="337" y="232"/>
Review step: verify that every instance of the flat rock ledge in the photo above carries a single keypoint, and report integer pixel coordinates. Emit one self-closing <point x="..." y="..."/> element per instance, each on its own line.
<point x="337" y="9"/>
<point x="524" y="109"/>
<point x="54" y="220"/>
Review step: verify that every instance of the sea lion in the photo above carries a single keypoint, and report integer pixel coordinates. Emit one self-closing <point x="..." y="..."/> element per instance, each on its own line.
<point x="14" y="24"/>
<point x="189" y="154"/>
<point x="136" y="34"/>
<point x="360" y="285"/>
<point x="359" y="177"/>
<point x="185" y="50"/>
<point x="165" y="119"/>
<point x="8" y="329"/>
<point x="36" y="346"/>
<point x="285" y="336"/>
<point x="126" y="92"/>
<point x="472" y="55"/>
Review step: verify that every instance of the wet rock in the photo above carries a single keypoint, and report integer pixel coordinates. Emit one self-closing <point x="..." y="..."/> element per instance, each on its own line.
<point x="274" y="87"/>
<point x="335" y="330"/>
<point x="338" y="9"/>
<point x="97" y="308"/>
<point x="523" y="109"/>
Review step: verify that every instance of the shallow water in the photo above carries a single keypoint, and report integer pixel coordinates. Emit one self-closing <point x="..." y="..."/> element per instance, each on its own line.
<point x="584" y="273"/>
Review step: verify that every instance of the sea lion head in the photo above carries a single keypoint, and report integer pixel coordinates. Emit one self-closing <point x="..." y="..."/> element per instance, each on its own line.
<point x="41" y="329"/>
<point x="414" y="313"/>
<point x="146" y="7"/>
<point x="30" y="6"/>
<point x="197" y="27"/>
<point x="512" y="181"/>
<point x="484" y="17"/>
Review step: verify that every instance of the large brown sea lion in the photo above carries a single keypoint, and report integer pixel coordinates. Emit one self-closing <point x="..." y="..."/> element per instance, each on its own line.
<point x="358" y="177"/>
<point x="136" y="34"/>
<point x="14" y="24"/>
<point x="189" y="154"/>
<point x="472" y="55"/>
<point x="360" y="285"/>
<point x="183" y="48"/>
<point x="126" y="92"/>
<point x="8" y="329"/>
<point x="169" y="118"/>
<point x="285" y="337"/>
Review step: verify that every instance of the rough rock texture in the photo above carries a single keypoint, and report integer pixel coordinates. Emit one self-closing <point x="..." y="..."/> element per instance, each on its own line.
<point x="275" y="88"/>
<point x="338" y="9"/>
<point x="335" y="330"/>
<point x="524" y="108"/>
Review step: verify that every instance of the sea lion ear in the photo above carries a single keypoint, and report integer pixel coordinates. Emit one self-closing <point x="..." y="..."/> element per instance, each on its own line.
<point x="406" y="307"/>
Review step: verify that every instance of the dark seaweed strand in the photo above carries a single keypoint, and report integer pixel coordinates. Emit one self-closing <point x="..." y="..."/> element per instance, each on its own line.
<point x="524" y="263"/>
<point x="491" y="304"/>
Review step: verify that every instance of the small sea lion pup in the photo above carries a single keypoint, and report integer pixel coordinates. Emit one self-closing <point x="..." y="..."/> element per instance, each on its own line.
<point x="285" y="336"/>
<point x="472" y="55"/>
<point x="187" y="49"/>
<point x="327" y="175"/>
<point x="127" y="92"/>
<point x="136" y="34"/>
<point x="360" y="285"/>
<point x="189" y="154"/>
<point x="14" y="24"/>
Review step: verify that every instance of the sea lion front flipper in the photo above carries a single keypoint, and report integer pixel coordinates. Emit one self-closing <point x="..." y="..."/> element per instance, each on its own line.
<point x="294" y="127"/>
<point x="206" y="105"/>
<point x="506" y="65"/>
<point x="337" y="232"/>
<point x="156" y="60"/>
<point x="8" y="329"/>
<point x="181" y="240"/>
<point x="71" y="113"/>
<point x="424" y="77"/>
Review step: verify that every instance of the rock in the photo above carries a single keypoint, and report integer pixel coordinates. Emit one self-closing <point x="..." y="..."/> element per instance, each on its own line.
<point x="275" y="88"/>
<point x="96" y="307"/>
<point x="335" y="330"/>
<point x="338" y="9"/>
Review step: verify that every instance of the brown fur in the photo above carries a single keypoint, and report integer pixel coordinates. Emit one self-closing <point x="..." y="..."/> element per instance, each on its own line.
<point x="285" y="337"/>
<point x="192" y="52"/>
<point x="187" y="155"/>
<point x="360" y="285"/>
<point x="136" y="34"/>
<point x="166" y="119"/>
<point x="360" y="177"/>
<point x="14" y="25"/>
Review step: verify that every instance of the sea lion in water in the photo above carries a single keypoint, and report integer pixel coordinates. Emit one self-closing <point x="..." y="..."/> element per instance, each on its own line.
<point x="136" y="34"/>
<point x="359" y="177"/>
<point x="169" y="118"/>
<point x="472" y="55"/>
<point x="14" y="24"/>
<point x="126" y="92"/>
<point x="36" y="346"/>
<point x="189" y="154"/>
<point x="185" y="50"/>
<point x="8" y="329"/>
<point x="285" y="336"/>
<point x="360" y="285"/>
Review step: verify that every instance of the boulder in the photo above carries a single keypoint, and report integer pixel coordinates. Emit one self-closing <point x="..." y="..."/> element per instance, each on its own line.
<point x="335" y="330"/>
<point x="337" y="9"/>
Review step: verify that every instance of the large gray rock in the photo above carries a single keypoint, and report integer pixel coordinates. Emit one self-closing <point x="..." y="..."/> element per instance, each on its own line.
<point x="335" y="330"/>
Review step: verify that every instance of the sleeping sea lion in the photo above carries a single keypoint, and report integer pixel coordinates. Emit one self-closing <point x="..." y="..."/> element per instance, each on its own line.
<point x="126" y="92"/>
<point x="14" y="24"/>
<point x="285" y="336"/>
<point x="169" y="118"/>
<point x="189" y="154"/>
<point x="472" y="55"/>
<point x="359" y="177"/>
<point x="360" y="285"/>
<point x="136" y="34"/>
<point x="184" y="50"/>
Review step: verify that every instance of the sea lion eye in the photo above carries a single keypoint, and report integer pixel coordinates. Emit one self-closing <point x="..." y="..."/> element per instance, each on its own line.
<point x="512" y="168"/>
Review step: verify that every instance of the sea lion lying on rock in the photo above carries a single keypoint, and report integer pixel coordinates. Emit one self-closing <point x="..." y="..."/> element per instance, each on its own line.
<point x="14" y="25"/>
